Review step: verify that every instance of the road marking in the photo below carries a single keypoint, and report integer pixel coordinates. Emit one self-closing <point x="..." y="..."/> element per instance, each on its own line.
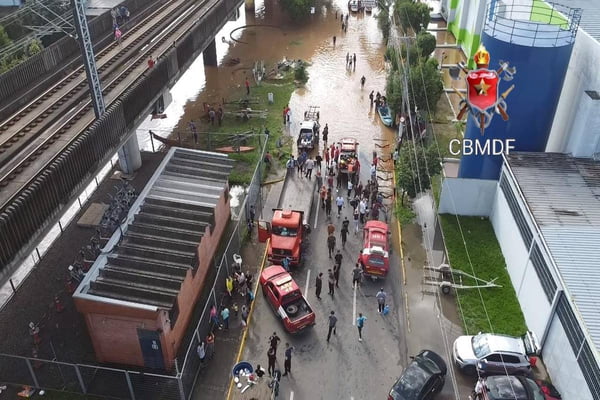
<point x="407" y="315"/>
<point x="317" y="213"/>
<point x="307" y="282"/>
<point x="354" y="308"/>
<point x="292" y="395"/>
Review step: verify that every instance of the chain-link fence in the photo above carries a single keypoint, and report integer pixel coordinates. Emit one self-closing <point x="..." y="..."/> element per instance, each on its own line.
<point x="124" y="384"/>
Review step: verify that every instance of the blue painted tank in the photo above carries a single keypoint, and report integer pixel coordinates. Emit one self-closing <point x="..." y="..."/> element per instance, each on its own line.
<point x="540" y="52"/>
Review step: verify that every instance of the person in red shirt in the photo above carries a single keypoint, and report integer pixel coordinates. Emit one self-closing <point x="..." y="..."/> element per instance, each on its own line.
<point x="151" y="62"/>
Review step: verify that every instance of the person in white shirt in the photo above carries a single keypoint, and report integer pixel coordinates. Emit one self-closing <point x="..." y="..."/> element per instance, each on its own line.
<point x="339" y="202"/>
<point x="350" y="187"/>
<point x="362" y="209"/>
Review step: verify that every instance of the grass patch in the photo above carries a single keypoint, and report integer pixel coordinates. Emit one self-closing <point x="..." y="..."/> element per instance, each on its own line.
<point x="404" y="212"/>
<point x="282" y="90"/>
<point x="488" y="263"/>
<point x="436" y="188"/>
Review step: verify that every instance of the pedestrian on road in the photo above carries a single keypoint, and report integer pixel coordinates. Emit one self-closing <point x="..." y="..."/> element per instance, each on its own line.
<point x="210" y="346"/>
<point x="319" y="178"/>
<point x="287" y="363"/>
<point x="344" y="235"/>
<point x="350" y="187"/>
<point x="274" y="340"/>
<point x="360" y="323"/>
<point x="334" y="40"/>
<point x="336" y="273"/>
<point x="356" y="275"/>
<point x="328" y="206"/>
<point x="318" y="160"/>
<point x="252" y="213"/>
<point x="332" y="323"/>
<point x="338" y="257"/>
<point x="356" y="216"/>
<point x="331" y="282"/>
<point x="330" y="244"/>
<point x="244" y="316"/>
<point x="214" y="318"/>
<point x="225" y="317"/>
<point x="358" y="189"/>
<point x="247" y="83"/>
<point x="362" y="209"/>
<point x="319" y="285"/>
<point x="339" y="202"/>
<point x="201" y="350"/>
<point x="380" y="296"/>
<point x="338" y="180"/>
<point x="330" y="229"/>
<point x="272" y="358"/>
<point x="325" y="133"/>
<point x="229" y="285"/>
<point x="309" y="165"/>
<point x="323" y="195"/>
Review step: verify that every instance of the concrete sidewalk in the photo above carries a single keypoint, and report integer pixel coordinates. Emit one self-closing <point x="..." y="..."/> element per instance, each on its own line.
<point x="432" y="318"/>
<point x="213" y="381"/>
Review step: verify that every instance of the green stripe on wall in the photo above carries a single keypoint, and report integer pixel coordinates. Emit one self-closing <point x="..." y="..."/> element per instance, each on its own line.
<point x="454" y="4"/>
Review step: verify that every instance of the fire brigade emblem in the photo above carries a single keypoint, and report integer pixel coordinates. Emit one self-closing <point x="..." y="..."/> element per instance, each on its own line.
<point x="483" y="90"/>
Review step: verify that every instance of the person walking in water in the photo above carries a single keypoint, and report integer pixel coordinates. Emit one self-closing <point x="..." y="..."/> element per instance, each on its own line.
<point x="247" y="83"/>
<point x="347" y="57"/>
<point x="362" y="82"/>
<point x="334" y="38"/>
<point x="371" y="96"/>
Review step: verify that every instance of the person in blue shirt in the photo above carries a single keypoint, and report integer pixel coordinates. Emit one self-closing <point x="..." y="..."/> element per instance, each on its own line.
<point x="360" y="323"/>
<point x="286" y="264"/>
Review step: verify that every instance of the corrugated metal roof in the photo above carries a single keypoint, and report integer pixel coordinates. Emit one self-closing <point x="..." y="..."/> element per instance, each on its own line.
<point x="590" y="16"/>
<point x="563" y="194"/>
<point x="149" y="263"/>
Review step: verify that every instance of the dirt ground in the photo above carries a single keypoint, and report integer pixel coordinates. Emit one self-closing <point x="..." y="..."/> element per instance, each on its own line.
<point x="65" y="332"/>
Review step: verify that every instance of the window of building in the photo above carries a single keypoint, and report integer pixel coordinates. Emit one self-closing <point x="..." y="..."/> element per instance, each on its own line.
<point x="580" y="346"/>
<point x="543" y="272"/>
<point x="515" y="209"/>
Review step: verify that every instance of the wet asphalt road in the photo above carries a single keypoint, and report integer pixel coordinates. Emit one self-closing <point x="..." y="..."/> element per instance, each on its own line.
<point x="344" y="368"/>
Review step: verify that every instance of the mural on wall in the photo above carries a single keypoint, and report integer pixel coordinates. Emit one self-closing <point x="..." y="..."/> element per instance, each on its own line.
<point x="483" y="98"/>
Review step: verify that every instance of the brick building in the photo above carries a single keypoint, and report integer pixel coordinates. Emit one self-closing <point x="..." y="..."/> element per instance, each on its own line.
<point x="138" y="297"/>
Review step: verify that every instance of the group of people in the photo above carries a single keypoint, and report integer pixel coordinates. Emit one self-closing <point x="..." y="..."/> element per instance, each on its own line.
<point x="120" y="15"/>
<point x="378" y="99"/>
<point x="350" y="60"/>
<point x="214" y="115"/>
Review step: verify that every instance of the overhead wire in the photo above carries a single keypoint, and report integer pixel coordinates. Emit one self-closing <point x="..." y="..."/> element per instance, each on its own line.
<point x="458" y="223"/>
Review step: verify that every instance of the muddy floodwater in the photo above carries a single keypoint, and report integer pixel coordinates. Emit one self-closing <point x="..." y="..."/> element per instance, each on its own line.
<point x="270" y="35"/>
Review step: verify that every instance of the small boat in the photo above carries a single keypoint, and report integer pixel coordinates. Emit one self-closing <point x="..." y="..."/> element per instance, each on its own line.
<point x="234" y="149"/>
<point x="384" y="114"/>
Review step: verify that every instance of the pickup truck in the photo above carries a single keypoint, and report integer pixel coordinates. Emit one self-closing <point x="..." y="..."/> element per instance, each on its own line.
<point x="284" y="295"/>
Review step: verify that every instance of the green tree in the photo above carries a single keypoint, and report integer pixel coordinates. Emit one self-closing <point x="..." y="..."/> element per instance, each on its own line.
<point x="426" y="85"/>
<point x="412" y="16"/>
<point x="300" y="73"/>
<point x="4" y="38"/>
<point x="413" y="57"/>
<point x="426" y="43"/>
<point x="393" y="92"/>
<point x="34" y="47"/>
<point x="414" y="176"/>
<point x="383" y="19"/>
<point x="297" y="9"/>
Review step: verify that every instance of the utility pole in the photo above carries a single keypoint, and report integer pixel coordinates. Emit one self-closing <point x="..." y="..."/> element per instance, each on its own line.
<point x="89" y="60"/>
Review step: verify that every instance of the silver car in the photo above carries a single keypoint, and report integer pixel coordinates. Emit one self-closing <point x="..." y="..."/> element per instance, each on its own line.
<point x="495" y="354"/>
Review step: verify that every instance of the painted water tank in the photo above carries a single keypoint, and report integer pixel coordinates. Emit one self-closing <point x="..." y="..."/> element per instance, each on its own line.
<point x="536" y="38"/>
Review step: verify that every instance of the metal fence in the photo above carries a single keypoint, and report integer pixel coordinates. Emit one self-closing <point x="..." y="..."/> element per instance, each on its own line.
<point x="130" y="384"/>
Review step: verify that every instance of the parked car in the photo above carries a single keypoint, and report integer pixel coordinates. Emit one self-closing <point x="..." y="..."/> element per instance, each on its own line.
<point x="422" y="379"/>
<point x="495" y="354"/>
<point x="510" y="387"/>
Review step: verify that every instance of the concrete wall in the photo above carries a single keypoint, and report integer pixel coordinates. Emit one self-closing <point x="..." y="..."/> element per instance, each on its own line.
<point x="562" y="364"/>
<point x="470" y="197"/>
<point x="536" y="309"/>
<point x="582" y="74"/>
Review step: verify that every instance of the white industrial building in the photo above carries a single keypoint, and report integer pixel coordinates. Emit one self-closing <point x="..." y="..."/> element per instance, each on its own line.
<point x="545" y="210"/>
<point x="576" y="126"/>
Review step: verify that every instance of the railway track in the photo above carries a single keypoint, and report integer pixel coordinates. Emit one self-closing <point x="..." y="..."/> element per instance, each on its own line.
<point x="42" y="129"/>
